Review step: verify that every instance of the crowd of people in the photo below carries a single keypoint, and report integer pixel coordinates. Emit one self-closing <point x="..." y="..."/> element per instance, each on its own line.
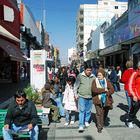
<point x="72" y="92"/>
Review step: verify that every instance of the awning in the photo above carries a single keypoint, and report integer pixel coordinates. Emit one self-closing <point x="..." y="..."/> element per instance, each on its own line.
<point x="109" y="50"/>
<point x="12" y="50"/>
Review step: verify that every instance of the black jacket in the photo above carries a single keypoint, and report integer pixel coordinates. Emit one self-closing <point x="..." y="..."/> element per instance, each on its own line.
<point x="26" y="115"/>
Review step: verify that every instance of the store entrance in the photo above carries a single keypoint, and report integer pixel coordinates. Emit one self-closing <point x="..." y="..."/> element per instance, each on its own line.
<point x="5" y="67"/>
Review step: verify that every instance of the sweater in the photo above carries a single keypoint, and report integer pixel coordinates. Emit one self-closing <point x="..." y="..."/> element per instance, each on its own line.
<point x="83" y="84"/>
<point x="125" y="77"/>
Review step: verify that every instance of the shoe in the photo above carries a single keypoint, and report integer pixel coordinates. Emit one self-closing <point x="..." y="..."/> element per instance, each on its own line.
<point x="130" y="125"/>
<point x="87" y="124"/>
<point x="81" y="129"/>
<point x="72" y="122"/>
<point x="99" y="131"/>
<point x="66" y="124"/>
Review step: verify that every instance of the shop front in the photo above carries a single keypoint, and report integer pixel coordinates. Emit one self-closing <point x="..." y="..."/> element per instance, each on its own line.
<point x="10" y="58"/>
<point x="115" y="55"/>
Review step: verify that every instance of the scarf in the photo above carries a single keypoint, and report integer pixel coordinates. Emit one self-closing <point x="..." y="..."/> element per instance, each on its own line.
<point x="102" y="84"/>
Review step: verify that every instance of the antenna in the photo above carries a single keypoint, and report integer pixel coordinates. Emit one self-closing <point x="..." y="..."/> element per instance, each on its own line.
<point x="44" y="14"/>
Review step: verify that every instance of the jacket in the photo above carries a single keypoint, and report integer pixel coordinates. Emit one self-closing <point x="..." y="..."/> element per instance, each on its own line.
<point x="69" y="98"/>
<point x="83" y="84"/>
<point x="26" y="115"/>
<point x="97" y="91"/>
<point x="46" y="99"/>
<point x="134" y="85"/>
<point x="125" y="77"/>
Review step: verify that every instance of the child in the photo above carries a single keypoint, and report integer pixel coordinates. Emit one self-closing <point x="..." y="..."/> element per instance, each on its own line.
<point x="69" y="102"/>
<point x="47" y="102"/>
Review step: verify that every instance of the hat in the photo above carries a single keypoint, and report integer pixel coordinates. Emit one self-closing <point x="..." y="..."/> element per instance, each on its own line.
<point x="101" y="70"/>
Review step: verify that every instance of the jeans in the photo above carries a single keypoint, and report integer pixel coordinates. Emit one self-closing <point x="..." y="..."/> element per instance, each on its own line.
<point x="115" y="87"/>
<point x="7" y="133"/>
<point x="60" y="106"/>
<point x="69" y="114"/>
<point x="129" y="101"/>
<point x="85" y="106"/>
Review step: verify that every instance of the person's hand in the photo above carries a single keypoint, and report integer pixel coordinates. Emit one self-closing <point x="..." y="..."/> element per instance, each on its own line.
<point x="30" y="126"/>
<point x="76" y="97"/>
<point x="6" y="126"/>
<point x="135" y="99"/>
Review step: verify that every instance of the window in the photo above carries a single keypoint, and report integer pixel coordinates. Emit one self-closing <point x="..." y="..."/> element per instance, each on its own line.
<point x="8" y="13"/>
<point x="116" y="7"/>
<point x="105" y="3"/>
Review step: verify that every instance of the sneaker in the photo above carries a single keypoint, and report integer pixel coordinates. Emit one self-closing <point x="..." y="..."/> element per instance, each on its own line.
<point x="87" y="124"/>
<point x="130" y="125"/>
<point x="66" y="124"/>
<point x="81" y="129"/>
<point x="72" y="122"/>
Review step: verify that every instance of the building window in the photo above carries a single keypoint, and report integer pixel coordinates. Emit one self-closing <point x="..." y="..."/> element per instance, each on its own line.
<point x="116" y="7"/>
<point x="105" y="3"/>
<point x="8" y="13"/>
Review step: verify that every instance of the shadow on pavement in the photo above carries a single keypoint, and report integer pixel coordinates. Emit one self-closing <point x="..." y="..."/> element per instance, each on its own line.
<point x="123" y="107"/>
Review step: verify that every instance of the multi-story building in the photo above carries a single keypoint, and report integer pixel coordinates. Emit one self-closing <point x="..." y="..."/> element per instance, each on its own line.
<point x="90" y="16"/>
<point x="122" y="38"/>
<point x="71" y="55"/>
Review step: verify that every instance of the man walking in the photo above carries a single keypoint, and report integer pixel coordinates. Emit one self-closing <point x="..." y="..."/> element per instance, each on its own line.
<point x="83" y="90"/>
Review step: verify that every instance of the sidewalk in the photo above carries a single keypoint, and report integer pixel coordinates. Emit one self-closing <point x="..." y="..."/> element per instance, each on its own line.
<point x="57" y="131"/>
<point x="60" y="132"/>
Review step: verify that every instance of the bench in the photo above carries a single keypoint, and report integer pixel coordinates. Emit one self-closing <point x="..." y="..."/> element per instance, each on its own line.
<point x="3" y="113"/>
<point x="2" y="118"/>
<point x="40" y="112"/>
<point x="43" y="114"/>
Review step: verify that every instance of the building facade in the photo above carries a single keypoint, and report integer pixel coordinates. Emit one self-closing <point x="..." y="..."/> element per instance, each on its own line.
<point x="122" y="38"/>
<point x="10" y="54"/>
<point x="90" y="16"/>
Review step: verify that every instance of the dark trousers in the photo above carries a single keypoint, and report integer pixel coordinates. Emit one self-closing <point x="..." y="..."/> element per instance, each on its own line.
<point x="133" y="111"/>
<point x="101" y="115"/>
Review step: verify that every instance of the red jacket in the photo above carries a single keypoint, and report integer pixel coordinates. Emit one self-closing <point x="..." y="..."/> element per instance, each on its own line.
<point x="134" y="85"/>
<point x="125" y="77"/>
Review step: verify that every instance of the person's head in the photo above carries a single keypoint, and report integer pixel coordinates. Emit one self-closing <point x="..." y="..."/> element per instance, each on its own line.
<point x="47" y="86"/>
<point x="118" y="67"/>
<point x="138" y="66"/>
<point x="56" y="79"/>
<point x="87" y="69"/>
<point x="129" y="64"/>
<point x="100" y="73"/>
<point x="20" y="97"/>
<point x="71" y="80"/>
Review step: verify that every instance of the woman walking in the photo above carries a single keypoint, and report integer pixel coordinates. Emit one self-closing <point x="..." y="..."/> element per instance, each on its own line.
<point x="102" y="90"/>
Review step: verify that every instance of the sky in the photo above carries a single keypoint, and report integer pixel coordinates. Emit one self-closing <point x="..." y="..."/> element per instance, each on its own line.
<point x="60" y="21"/>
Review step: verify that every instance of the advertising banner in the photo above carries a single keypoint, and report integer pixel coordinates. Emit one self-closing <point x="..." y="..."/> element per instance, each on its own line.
<point x="37" y="68"/>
